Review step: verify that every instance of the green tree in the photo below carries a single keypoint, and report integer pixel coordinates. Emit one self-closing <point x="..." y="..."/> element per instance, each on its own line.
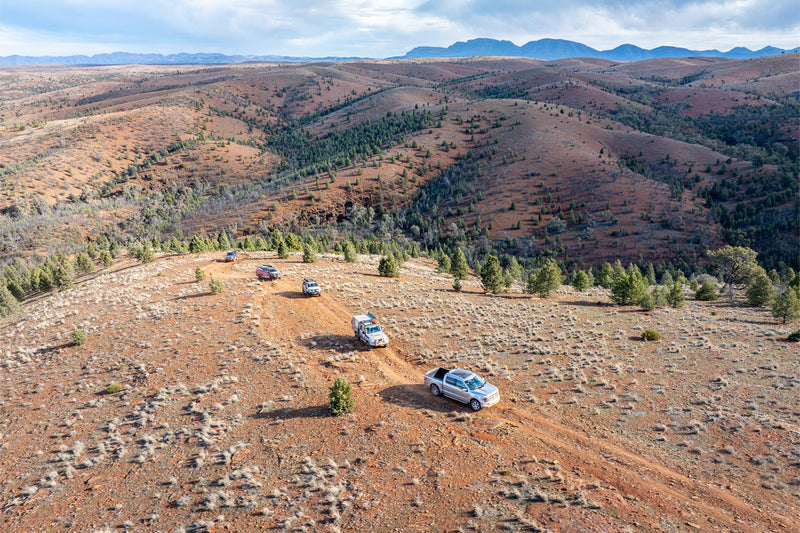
<point x="628" y="287"/>
<point x="197" y="245"/>
<point x="8" y="304"/>
<point x="444" y="263"/>
<point x="388" y="267"/>
<point x="283" y="249"/>
<point x="83" y="264"/>
<point x="309" y="253"/>
<point x="62" y="276"/>
<point x="581" y="281"/>
<point x="293" y="242"/>
<point x="786" y="306"/>
<point x="647" y="302"/>
<point x="458" y="264"/>
<point x="675" y="296"/>
<point x="350" y="252"/>
<point x="736" y="265"/>
<point x="456" y="284"/>
<point x="105" y="257"/>
<point x="199" y="275"/>
<point x="341" y="397"/>
<point x="706" y="292"/>
<point x="223" y="243"/>
<point x="759" y="291"/>
<point x="545" y="280"/>
<point x="492" y="275"/>
<point x="604" y="276"/>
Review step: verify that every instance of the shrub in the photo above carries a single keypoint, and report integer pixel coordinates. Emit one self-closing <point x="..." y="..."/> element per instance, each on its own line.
<point x="651" y="335"/>
<point x="216" y="286"/>
<point x="79" y="337"/>
<point x="794" y="336"/>
<point x="199" y="275"/>
<point x="706" y="292"/>
<point x="113" y="388"/>
<point x="457" y="285"/>
<point x="341" y="397"/>
<point x="388" y="267"/>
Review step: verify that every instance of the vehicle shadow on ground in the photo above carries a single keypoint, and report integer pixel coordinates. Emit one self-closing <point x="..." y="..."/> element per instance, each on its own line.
<point x="315" y="411"/>
<point x="291" y="294"/>
<point x="417" y="396"/>
<point x="331" y="341"/>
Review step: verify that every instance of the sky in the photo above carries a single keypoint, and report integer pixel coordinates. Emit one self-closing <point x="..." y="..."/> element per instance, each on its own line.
<point x="383" y="28"/>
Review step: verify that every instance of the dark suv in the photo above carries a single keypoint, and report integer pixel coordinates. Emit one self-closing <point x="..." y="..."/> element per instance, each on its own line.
<point x="268" y="272"/>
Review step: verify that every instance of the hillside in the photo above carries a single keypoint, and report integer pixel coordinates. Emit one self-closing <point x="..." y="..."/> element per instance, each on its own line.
<point x="585" y="160"/>
<point x="221" y="420"/>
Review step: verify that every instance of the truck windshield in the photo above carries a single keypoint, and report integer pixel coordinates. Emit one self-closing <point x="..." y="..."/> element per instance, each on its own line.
<point x="475" y="383"/>
<point x="373" y="329"/>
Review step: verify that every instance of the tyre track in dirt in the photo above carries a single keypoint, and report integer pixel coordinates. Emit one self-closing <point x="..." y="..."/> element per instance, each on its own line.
<point x="664" y="489"/>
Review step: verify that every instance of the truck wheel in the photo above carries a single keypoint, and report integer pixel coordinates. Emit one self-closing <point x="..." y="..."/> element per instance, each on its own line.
<point x="475" y="404"/>
<point x="435" y="390"/>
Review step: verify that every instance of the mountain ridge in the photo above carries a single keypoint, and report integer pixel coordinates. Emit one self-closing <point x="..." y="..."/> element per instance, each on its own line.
<point x="546" y="49"/>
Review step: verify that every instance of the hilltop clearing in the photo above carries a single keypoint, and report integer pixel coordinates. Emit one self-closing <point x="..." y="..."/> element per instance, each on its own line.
<point x="221" y="419"/>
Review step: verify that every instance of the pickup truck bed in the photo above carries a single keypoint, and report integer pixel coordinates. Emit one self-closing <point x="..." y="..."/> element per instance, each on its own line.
<point x="462" y="385"/>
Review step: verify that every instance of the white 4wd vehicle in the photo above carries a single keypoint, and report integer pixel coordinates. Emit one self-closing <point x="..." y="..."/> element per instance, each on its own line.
<point x="311" y="287"/>
<point x="462" y="385"/>
<point x="367" y="329"/>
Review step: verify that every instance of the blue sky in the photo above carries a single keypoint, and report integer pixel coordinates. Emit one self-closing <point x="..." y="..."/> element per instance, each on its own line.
<point x="383" y="28"/>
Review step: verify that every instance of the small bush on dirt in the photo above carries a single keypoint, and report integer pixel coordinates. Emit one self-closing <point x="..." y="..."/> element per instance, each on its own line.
<point x="341" y="397"/>
<point x="113" y="388"/>
<point x="457" y="285"/>
<point x="215" y="286"/>
<point x="794" y="336"/>
<point x="651" y="335"/>
<point x="199" y="274"/>
<point x="675" y="296"/>
<point x="79" y="337"/>
<point x="759" y="291"/>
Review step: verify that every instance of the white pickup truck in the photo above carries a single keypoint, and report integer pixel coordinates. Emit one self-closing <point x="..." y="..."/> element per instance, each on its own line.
<point x="367" y="329"/>
<point x="462" y="385"/>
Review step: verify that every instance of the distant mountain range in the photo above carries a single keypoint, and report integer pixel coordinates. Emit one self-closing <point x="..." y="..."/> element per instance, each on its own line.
<point x="547" y="49"/>
<point x="550" y="49"/>
<point x="126" y="58"/>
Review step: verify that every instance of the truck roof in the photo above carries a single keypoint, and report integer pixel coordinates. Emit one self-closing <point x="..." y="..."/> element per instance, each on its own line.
<point x="461" y="373"/>
<point x="364" y="318"/>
